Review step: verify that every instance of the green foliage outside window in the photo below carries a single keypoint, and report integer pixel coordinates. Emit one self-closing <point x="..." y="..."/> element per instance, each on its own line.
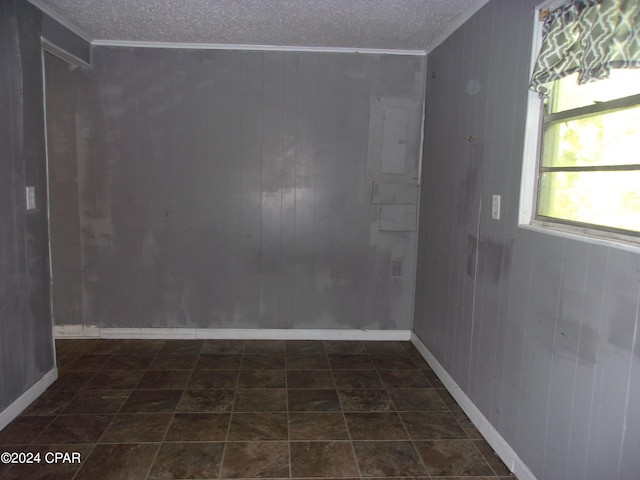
<point x="590" y="166"/>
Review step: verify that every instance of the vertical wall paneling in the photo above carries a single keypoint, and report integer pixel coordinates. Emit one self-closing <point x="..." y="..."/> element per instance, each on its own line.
<point x="229" y="189"/>
<point x="308" y="75"/>
<point x="539" y="331"/>
<point x="271" y="170"/>
<point x="26" y="339"/>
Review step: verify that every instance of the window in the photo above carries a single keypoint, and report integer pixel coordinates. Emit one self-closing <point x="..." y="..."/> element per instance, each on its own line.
<point x="582" y="150"/>
<point x="589" y="166"/>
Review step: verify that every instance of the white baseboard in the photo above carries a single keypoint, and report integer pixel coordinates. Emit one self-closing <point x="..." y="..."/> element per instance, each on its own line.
<point x="80" y="331"/>
<point x="24" y="400"/>
<point x="488" y="431"/>
<point x="76" y="331"/>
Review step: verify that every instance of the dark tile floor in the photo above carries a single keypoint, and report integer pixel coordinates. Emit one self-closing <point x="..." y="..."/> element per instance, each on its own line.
<point x="207" y="409"/>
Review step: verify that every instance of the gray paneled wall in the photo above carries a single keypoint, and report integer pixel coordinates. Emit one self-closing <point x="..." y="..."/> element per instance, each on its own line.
<point x="26" y="340"/>
<point x="230" y="189"/>
<point x="540" y="332"/>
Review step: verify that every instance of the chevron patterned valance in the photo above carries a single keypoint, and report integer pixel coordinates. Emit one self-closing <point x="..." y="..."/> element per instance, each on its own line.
<point x="589" y="37"/>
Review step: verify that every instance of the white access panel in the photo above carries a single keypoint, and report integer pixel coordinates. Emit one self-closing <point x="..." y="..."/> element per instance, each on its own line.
<point x="394" y="140"/>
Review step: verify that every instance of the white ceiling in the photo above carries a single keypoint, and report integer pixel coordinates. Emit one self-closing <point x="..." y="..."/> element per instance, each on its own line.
<point x="352" y="24"/>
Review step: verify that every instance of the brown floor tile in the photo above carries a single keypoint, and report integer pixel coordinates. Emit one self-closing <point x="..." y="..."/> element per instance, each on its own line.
<point x="446" y="397"/>
<point x="393" y="362"/>
<point x="173" y="362"/>
<point x="256" y="460"/>
<point x="388" y="347"/>
<point x="206" y="401"/>
<point x="164" y="380"/>
<point x="248" y="427"/>
<point x="47" y="470"/>
<point x="350" y="362"/>
<point x="492" y="458"/>
<point x="313" y="400"/>
<point x="416" y="399"/>
<point x="24" y="430"/>
<point x="344" y="347"/>
<point x="102" y="345"/>
<point x="71" y="380"/>
<point x="152" y="401"/>
<point x="97" y="401"/>
<point x="198" y="427"/>
<point x="388" y="459"/>
<point x="118" y="462"/>
<point x="323" y="459"/>
<point x="304" y="347"/>
<point x="420" y="362"/>
<point x="140" y="346"/>
<point x="181" y="347"/>
<point x="431" y="425"/>
<point x="218" y="362"/>
<point x="433" y="379"/>
<point x="75" y="429"/>
<point x="452" y="458"/>
<point x="365" y="400"/>
<point x="114" y="380"/>
<point x="66" y="345"/>
<point x="466" y="425"/>
<point x="136" y="428"/>
<point x="310" y="379"/>
<point x="127" y="361"/>
<point x="376" y="426"/>
<point x="264" y="346"/>
<point x="87" y="362"/>
<point x="307" y="362"/>
<point x="266" y="378"/>
<point x="66" y="360"/>
<point x="51" y="402"/>
<point x="213" y="379"/>
<point x="357" y="379"/>
<point x="261" y="400"/>
<point x="404" y="378"/>
<point x="317" y="426"/>
<point x="222" y="347"/>
<point x="257" y="361"/>
<point x="187" y="460"/>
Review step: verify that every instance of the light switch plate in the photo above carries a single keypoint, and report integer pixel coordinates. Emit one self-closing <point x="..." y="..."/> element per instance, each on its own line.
<point x="31" y="198"/>
<point x="495" y="207"/>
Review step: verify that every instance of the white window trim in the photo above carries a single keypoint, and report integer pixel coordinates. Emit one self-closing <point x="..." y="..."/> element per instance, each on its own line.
<point x="526" y="218"/>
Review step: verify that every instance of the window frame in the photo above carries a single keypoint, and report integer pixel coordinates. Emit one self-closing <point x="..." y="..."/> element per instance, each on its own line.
<point x="534" y="126"/>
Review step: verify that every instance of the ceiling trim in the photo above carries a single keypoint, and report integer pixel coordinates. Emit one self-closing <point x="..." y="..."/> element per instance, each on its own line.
<point x="272" y="48"/>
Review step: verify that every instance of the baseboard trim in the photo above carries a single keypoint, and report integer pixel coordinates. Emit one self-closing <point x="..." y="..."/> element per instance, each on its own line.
<point x="488" y="431"/>
<point x="80" y="331"/>
<point x="24" y="400"/>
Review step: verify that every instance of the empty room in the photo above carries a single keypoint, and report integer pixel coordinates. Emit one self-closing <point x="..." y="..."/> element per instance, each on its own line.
<point x="319" y="239"/>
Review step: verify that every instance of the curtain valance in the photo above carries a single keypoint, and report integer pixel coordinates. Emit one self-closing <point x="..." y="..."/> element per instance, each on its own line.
<point x="589" y="37"/>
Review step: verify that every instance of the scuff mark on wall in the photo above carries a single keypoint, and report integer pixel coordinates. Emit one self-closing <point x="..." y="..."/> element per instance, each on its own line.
<point x="495" y="260"/>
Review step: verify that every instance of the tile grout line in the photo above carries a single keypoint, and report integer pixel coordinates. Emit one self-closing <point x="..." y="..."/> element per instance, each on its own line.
<point x="157" y="453"/>
<point x="232" y="412"/>
<point x="346" y="425"/>
<point x="286" y="399"/>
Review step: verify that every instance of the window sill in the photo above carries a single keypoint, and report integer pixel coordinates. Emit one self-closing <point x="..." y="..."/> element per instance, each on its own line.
<point x="582" y="235"/>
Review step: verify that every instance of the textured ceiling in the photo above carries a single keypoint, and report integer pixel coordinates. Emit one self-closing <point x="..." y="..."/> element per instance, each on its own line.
<point x="366" y="24"/>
